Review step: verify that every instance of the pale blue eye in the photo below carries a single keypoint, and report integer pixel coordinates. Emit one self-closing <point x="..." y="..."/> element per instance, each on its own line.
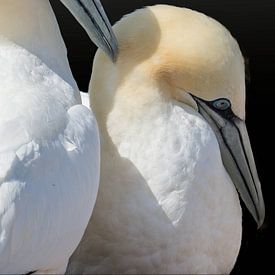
<point x="222" y="104"/>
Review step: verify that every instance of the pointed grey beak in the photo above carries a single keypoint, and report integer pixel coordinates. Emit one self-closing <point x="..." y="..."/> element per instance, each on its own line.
<point x="90" y="14"/>
<point x="236" y="153"/>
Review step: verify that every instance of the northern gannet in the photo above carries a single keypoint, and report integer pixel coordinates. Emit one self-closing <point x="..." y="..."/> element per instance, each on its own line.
<point x="49" y="144"/>
<point x="174" y="149"/>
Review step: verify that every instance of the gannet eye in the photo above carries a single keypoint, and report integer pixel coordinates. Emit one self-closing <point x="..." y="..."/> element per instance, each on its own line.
<point x="222" y="104"/>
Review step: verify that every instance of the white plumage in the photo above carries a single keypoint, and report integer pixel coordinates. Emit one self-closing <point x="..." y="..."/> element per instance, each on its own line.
<point x="166" y="205"/>
<point x="166" y="202"/>
<point x="47" y="190"/>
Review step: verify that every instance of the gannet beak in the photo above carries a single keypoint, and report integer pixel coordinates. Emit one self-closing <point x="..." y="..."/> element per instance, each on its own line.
<point x="236" y="154"/>
<point x="90" y="14"/>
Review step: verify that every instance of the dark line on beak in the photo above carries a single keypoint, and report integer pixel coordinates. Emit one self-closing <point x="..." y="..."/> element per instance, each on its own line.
<point x="95" y="23"/>
<point x="109" y="29"/>
<point x="236" y="163"/>
<point x="97" y="8"/>
<point x="242" y="143"/>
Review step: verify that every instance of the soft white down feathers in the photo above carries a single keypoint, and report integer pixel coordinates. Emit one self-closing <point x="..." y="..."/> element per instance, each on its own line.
<point x="166" y="204"/>
<point x="47" y="190"/>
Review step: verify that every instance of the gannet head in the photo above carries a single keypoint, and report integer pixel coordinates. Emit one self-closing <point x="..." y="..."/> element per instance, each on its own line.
<point x="191" y="58"/>
<point x="90" y="14"/>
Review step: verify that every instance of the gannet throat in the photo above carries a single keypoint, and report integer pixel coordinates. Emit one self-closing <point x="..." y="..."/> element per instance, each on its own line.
<point x="236" y="152"/>
<point x="92" y="17"/>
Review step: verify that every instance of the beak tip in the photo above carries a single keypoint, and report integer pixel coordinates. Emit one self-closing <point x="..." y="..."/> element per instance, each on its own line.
<point x="92" y="17"/>
<point x="261" y="220"/>
<point x="114" y="54"/>
<point x="109" y="46"/>
<point x="260" y="216"/>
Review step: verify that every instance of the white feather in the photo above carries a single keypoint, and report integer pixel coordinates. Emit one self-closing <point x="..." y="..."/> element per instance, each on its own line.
<point x="49" y="161"/>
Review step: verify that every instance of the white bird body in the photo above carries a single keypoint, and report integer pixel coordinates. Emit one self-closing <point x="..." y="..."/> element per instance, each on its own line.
<point x="166" y="203"/>
<point x="47" y="192"/>
<point x="158" y="213"/>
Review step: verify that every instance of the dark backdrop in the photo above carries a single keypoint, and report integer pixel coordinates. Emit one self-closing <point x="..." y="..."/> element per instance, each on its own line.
<point x="253" y="24"/>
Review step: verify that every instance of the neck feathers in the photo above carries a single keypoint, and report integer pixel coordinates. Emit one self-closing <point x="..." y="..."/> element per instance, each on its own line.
<point x="31" y="24"/>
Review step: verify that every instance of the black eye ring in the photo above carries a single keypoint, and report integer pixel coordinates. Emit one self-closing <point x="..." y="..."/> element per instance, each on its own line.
<point x="221" y="104"/>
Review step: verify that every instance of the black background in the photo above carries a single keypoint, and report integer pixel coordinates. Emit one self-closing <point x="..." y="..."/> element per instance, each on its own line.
<point x="253" y="24"/>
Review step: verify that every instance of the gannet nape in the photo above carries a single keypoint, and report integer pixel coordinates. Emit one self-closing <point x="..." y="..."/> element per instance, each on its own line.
<point x="175" y="152"/>
<point x="49" y="149"/>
